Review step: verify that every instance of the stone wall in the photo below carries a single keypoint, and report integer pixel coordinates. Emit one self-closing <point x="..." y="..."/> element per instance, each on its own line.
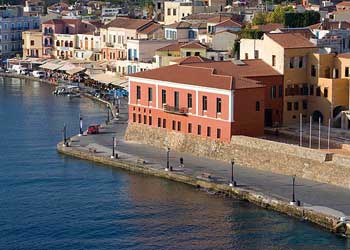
<point x="252" y="152"/>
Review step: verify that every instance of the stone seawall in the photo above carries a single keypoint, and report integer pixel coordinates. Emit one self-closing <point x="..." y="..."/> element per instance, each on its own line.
<point x="273" y="203"/>
<point x="251" y="152"/>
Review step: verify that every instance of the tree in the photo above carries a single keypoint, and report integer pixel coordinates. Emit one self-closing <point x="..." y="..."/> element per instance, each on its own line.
<point x="259" y="18"/>
<point x="294" y="20"/>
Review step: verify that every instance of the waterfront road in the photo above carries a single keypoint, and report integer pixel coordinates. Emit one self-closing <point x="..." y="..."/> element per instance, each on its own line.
<point x="321" y="197"/>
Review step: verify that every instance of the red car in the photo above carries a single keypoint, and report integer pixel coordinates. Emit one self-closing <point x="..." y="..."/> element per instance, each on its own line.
<point x="93" y="129"/>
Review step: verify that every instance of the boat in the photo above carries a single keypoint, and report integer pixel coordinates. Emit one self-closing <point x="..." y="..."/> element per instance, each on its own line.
<point x="72" y="91"/>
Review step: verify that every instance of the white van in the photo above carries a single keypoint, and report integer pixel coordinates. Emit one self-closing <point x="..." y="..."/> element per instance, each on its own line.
<point x="39" y="74"/>
<point x="17" y="68"/>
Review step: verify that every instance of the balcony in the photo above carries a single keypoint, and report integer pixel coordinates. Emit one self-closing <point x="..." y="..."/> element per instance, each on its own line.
<point x="110" y="45"/>
<point x="175" y="110"/>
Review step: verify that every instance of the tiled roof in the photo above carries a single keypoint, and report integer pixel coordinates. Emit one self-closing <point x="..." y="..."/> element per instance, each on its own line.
<point x="193" y="45"/>
<point x="127" y="23"/>
<point x="183" y="45"/>
<point x="228" y="23"/>
<point x="185" y="74"/>
<point x="172" y="47"/>
<point x="191" y="59"/>
<point x="344" y="3"/>
<point x="268" y="27"/>
<point x="150" y="28"/>
<point x="179" y="25"/>
<point x="291" y="40"/>
<point x="214" y="74"/>
<point x="344" y="55"/>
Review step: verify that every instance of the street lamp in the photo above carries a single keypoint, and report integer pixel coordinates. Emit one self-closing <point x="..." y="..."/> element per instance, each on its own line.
<point x="167" y="159"/>
<point x="113" y="148"/>
<point x="293" y="194"/>
<point x="107" y="115"/>
<point x="64" y="132"/>
<point x="80" y="125"/>
<point x="233" y="182"/>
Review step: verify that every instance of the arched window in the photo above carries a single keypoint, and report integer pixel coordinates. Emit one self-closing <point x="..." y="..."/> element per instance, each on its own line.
<point x="50" y="30"/>
<point x="58" y="43"/>
<point x="45" y="30"/>
<point x="66" y="44"/>
<point x="71" y="44"/>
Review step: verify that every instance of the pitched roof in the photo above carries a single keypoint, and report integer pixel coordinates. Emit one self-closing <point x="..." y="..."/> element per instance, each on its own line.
<point x="204" y="72"/>
<point x="172" y="47"/>
<point x="291" y="40"/>
<point x="149" y="29"/>
<point x="344" y="3"/>
<point x="193" y="45"/>
<point x="268" y="27"/>
<point x="191" y="59"/>
<point x="187" y="74"/>
<point x="183" y="45"/>
<point x="127" y="23"/>
<point x="179" y="25"/>
<point x="228" y="23"/>
<point x="344" y="55"/>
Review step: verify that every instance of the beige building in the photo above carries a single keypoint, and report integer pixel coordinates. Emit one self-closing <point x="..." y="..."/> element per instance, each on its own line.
<point x="316" y="83"/>
<point x="32" y="43"/>
<point x="64" y="45"/>
<point x="288" y="53"/>
<point x="175" y="11"/>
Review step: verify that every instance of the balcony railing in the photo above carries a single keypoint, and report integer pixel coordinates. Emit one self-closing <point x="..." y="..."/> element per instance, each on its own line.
<point x="175" y="110"/>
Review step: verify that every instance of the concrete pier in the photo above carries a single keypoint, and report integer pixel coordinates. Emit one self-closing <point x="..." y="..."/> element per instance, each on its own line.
<point x="279" y="204"/>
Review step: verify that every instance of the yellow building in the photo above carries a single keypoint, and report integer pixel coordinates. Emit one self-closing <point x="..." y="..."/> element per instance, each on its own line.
<point x="287" y="53"/>
<point x="181" y="49"/>
<point x="32" y="43"/>
<point x="329" y="74"/>
<point x="315" y="84"/>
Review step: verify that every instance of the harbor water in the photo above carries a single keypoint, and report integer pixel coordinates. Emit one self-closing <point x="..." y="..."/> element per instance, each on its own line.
<point x="49" y="201"/>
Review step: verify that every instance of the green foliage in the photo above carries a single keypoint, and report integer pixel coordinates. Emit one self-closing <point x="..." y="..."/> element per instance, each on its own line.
<point x="276" y="16"/>
<point x="307" y="18"/>
<point x="251" y="33"/>
<point x="259" y="18"/>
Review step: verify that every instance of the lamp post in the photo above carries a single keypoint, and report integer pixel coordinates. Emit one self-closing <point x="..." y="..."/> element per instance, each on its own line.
<point x="233" y="182"/>
<point x="113" y="148"/>
<point x="293" y="195"/>
<point x="64" y="131"/>
<point x="80" y="125"/>
<point x="107" y="115"/>
<point x="167" y="159"/>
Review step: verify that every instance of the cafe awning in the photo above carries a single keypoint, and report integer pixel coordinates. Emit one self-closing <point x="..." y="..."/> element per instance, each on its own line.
<point x="75" y="70"/>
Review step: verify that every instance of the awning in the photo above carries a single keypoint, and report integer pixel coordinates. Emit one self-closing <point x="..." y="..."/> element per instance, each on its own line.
<point x="51" y="65"/>
<point x="66" y="67"/>
<point x="105" y="78"/>
<point x="75" y="70"/>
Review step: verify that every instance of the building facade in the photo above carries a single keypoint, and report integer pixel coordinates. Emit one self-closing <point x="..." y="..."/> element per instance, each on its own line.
<point x="32" y="43"/>
<point x="12" y="23"/>
<point x="203" y="98"/>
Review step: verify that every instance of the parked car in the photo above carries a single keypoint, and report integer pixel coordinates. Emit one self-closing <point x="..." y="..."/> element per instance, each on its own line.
<point x="24" y="72"/>
<point x="93" y="129"/>
<point x="39" y="74"/>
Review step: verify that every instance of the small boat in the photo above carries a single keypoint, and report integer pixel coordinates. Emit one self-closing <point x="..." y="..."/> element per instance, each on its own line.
<point x="72" y="91"/>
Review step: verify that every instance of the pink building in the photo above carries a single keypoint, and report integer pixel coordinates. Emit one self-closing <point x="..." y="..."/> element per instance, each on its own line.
<point x="62" y="26"/>
<point x="208" y="99"/>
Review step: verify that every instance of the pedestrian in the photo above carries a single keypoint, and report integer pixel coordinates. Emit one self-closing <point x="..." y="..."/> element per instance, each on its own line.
<point x="181" y="162"/>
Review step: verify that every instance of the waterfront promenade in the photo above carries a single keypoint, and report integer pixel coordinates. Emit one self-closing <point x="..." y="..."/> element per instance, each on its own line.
<point x="326" y="199"/>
